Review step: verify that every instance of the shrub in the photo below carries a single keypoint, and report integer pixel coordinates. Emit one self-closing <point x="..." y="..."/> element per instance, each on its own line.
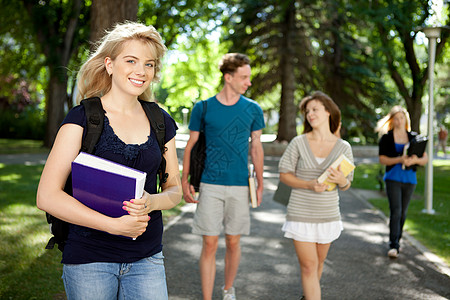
<point x="28" y="124"/>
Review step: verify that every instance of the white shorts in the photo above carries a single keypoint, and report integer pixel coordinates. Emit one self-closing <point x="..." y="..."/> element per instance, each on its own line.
<point x="321" y="233"/>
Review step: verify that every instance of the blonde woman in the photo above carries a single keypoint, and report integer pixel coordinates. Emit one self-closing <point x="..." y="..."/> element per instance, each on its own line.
<point x="313" y="218"/>
<point x="100" y="259"/>
<point x="400" y="175"/>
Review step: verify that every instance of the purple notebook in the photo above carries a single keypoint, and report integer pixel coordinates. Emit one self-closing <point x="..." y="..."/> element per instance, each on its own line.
<point x="103" y="185"/>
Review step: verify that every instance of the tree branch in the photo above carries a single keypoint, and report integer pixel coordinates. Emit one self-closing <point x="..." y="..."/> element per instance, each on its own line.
<point x="395" y="75"/>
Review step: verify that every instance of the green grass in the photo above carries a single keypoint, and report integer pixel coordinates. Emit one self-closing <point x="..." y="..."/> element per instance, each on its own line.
<point x="12" y="146"/>
<point x="433" y="231"/>
<point x="27" y="270"/>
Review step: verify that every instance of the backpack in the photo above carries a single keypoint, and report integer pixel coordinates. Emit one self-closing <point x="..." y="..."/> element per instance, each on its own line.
<point x="94" y="127"/>
<point x="198" y="153"/>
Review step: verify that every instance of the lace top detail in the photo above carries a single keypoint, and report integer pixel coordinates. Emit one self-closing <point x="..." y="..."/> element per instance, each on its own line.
<point x="109" y="141"/>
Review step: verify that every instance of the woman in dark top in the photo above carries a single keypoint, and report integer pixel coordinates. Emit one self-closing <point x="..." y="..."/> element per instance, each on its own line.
<point x="104" y="257"/>
<point x="400" y="176"/>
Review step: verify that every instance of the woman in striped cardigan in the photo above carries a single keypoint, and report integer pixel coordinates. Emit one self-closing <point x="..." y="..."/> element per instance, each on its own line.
<point x="313" y="218"/>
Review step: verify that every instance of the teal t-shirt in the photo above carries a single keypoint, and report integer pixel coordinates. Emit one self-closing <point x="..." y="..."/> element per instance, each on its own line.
<point x="227" y="131"/>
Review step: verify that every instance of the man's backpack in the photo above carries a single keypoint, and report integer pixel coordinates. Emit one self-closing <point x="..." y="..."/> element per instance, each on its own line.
<point x="94" y="127"/>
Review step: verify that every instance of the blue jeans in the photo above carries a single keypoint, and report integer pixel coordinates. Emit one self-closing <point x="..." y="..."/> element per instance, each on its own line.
<point x="399" y="194"/>
<point x="143" y="279"/>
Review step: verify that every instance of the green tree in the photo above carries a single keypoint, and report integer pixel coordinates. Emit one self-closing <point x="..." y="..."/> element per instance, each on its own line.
<point x="106" y="13"/>
<point x="360" y="53"/>
<point x="59" y="32"/>
<point x="309" y="45"/>
<point x="179" y="18"/>
<point x="270" y="34"/>
<point x="193" y="74"/>
<point x="52" y="31"/>
<point x="188" y="28"/>
<point x="396" y="25"/>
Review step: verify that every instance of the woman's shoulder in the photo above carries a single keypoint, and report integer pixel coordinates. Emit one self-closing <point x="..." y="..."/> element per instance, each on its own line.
<point x="389" y="136"/>
<point x="166" y="114"/>
<point x="170" y="124"/>
<point x="344" y="143"/>
<point x="299" y="139"/>
<point x="76" y="115"/>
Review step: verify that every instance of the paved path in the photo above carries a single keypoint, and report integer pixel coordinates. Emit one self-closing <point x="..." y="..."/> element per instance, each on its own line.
<point x="356" y="268"/>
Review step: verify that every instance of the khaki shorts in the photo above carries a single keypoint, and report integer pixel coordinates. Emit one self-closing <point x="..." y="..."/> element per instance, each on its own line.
<point x="222" y="207"/>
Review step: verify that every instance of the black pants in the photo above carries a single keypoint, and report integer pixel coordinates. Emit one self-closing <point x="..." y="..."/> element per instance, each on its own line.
<point x="399" y="194"/>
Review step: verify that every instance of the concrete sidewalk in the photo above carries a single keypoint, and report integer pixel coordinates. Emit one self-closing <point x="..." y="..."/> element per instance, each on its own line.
<point x="356" y="268"/>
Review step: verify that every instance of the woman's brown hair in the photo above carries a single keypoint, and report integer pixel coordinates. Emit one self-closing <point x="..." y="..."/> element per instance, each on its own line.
<point x="330" y="106"/>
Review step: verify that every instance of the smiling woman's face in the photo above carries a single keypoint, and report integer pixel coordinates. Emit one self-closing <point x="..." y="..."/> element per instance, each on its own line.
<point x="316" y="114"/>
<point x="133" y="69"/>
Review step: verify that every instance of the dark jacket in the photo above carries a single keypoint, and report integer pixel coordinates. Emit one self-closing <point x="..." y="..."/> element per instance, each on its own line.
<point x="386" y="146"/>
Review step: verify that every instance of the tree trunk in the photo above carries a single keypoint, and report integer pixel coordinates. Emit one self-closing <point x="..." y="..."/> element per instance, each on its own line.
<point x="414" y="107"/>
<point x="288" y="112"/>
<point x="106" y="13"/>
<point x="56" y="98"/>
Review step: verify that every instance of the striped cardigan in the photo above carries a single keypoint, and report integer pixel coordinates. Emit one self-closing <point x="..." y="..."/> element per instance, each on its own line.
<point x="307" y="205"/>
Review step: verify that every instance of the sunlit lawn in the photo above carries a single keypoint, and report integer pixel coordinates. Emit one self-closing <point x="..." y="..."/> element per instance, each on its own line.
<point x="433" y="231"/>
<point x="12" y="146"/>
<point x="27" y="270"/>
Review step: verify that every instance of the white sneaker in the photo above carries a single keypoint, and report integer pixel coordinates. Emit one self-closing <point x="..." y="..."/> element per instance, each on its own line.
<point x="228" y="294"/>
<point x="393" y="253"/>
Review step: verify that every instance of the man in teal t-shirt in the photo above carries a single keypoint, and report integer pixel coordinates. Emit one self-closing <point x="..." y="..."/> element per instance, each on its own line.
<point x="223" y="203"/>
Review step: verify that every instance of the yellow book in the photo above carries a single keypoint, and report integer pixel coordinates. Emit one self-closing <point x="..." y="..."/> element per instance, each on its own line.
<point x="346" y="166"/>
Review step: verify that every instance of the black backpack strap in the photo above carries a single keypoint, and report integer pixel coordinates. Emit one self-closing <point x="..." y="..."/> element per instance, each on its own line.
<point x="94" y="126"/>
<point x="94" y="123"/>
<point x="202" y="122"/>
<point x="156" y="119"/>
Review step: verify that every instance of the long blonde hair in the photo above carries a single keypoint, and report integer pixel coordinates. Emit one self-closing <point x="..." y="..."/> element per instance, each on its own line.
<point x="93" y="79"/>
<point x="386" y="123"/>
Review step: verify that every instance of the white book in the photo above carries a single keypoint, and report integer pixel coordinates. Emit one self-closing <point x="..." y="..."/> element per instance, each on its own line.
<point x="252" y="187"/>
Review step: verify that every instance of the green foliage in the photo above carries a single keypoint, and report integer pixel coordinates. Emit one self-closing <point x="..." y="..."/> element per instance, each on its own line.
<point x="329" y="51"/>
<point x="27" y="124"/>
<point x="22" y="72"/>
<point x="442" y="94"/>
<point x="396" y="41"/>
<point x="44" y="34"/>
<point x="191" y="77"/>
<point x="431" y="230"/>
<point x="178" y="20"/>
<point x="190" y="70"/>
<point x="364" y="54"/>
